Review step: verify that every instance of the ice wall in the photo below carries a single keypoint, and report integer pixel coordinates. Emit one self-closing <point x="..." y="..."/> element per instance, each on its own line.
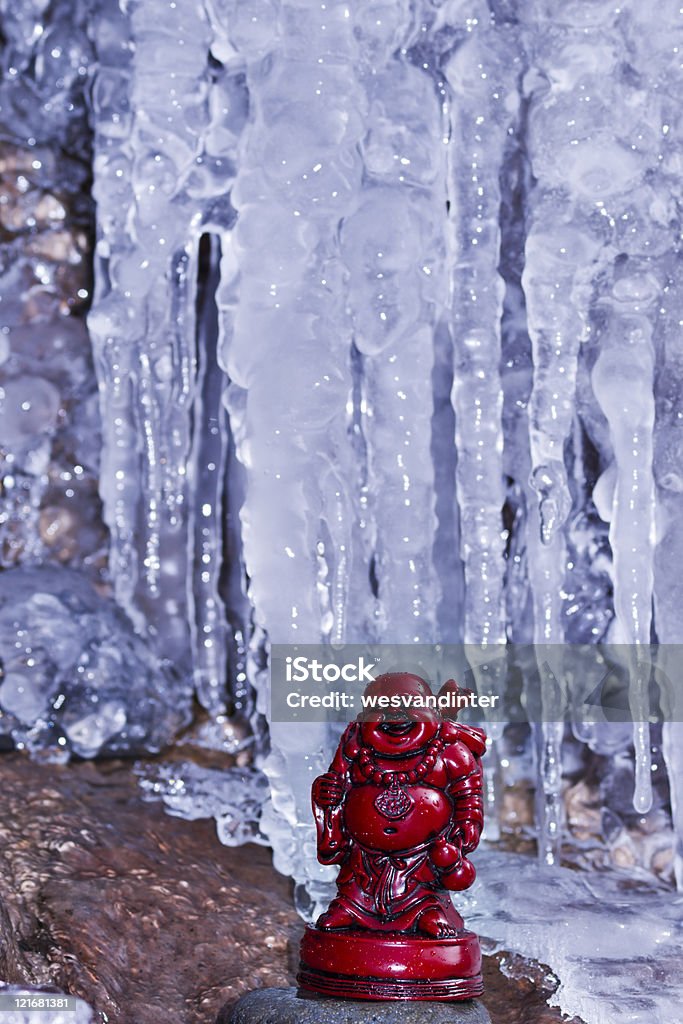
<point x="386" y="331"/>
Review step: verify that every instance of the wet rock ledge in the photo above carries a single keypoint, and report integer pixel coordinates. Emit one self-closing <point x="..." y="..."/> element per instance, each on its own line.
<point x="147" y="917"/>
<point x="144" y="916"/>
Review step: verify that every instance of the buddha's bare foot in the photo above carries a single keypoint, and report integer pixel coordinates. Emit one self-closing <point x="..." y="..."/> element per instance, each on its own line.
<point x="335" y="917"/>
<point x="433" y="923"/>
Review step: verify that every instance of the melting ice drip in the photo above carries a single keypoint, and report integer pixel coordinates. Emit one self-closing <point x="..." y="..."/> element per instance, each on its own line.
<point x="444" y="325"/>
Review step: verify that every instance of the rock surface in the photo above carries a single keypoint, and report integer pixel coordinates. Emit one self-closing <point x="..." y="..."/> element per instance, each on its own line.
<point x="138" y="913"/>
<point x="147" y="917"/>
<point x="284" y="1006"/>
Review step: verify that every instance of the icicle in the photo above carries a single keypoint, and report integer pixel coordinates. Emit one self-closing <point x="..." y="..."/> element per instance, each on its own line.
<point x="206" y="479"/>
<point x="623" y="385"/>
<point x="285" y="346"/>
<point x="555" y="256"/>
<point x="557" y="286"/>
<point x="447" y="563"/>
<point x="557" y="312"/>
<point x="655" y="46"/>
<point x="398" y="406"/>
<point x="343" y="178"/>
<point x="482" y="82"/>
<point x="284" y="410"/>
<point x="668" y="556"/>
<point x="392" y="247"/>
<point x="113" y="190"/>
<point x="575" y="157"/>
<point x="668" y="582"/>
<point x="546" y="575"/>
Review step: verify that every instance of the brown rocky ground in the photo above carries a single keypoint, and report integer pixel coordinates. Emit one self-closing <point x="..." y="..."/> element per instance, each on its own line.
<point x="147" y="917"/>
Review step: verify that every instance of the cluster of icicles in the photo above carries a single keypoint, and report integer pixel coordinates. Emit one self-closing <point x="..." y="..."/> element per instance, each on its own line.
<point x="387" y="328"/>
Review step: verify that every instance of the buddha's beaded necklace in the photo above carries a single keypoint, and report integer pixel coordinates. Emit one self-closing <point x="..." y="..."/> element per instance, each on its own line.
<point x="385" y="777"/>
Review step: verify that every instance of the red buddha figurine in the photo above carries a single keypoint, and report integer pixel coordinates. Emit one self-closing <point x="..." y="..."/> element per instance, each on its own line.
<point x="399" y="810"/>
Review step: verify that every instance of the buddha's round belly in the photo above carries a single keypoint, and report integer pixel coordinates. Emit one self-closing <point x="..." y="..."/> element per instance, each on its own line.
<point x="377" y="822"/>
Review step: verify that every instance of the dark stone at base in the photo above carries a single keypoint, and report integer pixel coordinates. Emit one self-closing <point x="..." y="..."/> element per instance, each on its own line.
<point x="285" y="1006"/>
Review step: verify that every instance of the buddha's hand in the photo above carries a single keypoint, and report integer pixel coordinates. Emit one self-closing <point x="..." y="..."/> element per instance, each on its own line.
<point x="328" y="790"/>
<point x="467" y="834"/>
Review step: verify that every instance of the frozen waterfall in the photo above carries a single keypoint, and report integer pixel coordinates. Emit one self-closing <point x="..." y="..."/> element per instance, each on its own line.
<point x="386" y="330"/>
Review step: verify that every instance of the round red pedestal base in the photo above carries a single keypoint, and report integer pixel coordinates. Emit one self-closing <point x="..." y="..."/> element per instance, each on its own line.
<point x="355" y="964"/>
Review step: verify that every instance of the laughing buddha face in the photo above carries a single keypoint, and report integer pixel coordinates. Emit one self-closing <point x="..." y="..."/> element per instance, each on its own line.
<point x="404" y="727"/>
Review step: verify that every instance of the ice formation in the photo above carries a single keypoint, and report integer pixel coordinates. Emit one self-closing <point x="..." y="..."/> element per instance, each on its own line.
<point x="75" y="677"/>
<point x="158" y="163"/>
<point x="386" y="332"/>
<point x="234" y="797"/>
<point x="612" y="941"/>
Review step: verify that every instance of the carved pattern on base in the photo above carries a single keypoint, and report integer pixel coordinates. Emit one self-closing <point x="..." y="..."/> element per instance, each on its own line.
<point x="341" y="987"/>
